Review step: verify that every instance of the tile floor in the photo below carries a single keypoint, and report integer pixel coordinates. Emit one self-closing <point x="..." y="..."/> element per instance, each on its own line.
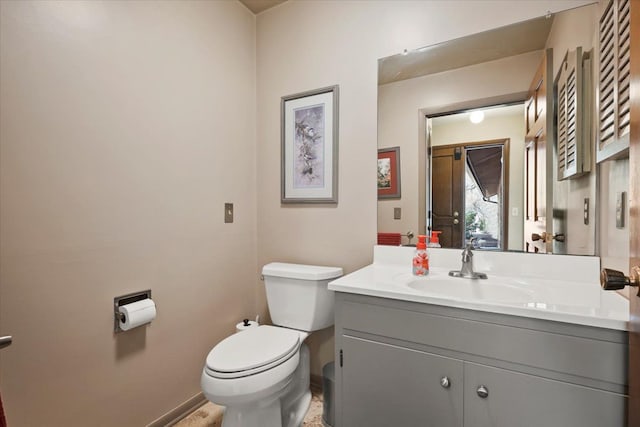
<point x="210" y="415"/>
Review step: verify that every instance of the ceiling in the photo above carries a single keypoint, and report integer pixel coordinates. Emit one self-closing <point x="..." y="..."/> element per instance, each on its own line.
<point x="257" y="6"/>
<point x="490" y="45"/>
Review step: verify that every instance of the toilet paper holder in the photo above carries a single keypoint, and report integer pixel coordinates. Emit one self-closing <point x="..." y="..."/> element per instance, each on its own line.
<point x="123" y="300"/>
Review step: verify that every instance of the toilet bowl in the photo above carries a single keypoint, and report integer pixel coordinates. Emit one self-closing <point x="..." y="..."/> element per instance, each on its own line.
<point x="261" y="375"/>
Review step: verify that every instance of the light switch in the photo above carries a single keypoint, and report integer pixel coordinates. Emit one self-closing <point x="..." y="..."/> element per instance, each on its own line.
<point x="397" y="213"/>
<point x="514" y="211"/>
<point x="228" y="212"/>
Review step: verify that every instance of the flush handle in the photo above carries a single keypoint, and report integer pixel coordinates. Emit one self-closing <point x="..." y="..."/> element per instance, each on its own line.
<point x="612" y="280"/>
<point x="5" y="341"/>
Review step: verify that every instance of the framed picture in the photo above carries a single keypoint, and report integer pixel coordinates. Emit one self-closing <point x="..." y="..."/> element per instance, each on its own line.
<point x="389" y="173"/>
<point x="309" y="164"/>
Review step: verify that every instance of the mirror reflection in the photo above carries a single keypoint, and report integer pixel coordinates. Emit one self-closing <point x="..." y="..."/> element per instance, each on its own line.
<point x="481" y="164"/>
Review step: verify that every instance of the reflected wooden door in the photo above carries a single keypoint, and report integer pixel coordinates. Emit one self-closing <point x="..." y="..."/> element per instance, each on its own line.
<point x="447" y="192"/>
<point x="538" y="107"/>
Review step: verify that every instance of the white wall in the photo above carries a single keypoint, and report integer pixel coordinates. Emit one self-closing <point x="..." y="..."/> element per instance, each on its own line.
<point x="124" y="128"/>
<point x="304" y="45"/>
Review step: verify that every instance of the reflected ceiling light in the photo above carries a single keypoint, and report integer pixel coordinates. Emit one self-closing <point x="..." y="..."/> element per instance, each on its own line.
<point x="476" y="116"/>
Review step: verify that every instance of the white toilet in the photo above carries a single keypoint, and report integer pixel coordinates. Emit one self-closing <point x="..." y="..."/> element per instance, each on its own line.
<point x="261" y="375"/>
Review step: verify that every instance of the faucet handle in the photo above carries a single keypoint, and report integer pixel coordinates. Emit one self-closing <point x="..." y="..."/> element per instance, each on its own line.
<point x="470" y="244"/>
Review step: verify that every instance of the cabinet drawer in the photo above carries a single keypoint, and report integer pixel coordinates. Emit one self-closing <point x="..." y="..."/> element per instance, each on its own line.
<point x="580" y="356"/>
<point x="521" y="400"/>
<point x="384" y="385"/>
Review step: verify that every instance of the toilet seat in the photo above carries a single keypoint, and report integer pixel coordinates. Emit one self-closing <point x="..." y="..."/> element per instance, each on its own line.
<point x="252" y="351"/>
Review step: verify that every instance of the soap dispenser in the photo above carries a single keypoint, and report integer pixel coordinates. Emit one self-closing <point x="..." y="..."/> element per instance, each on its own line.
<point x="434" y="240"/>
<point x="421" y="258"/>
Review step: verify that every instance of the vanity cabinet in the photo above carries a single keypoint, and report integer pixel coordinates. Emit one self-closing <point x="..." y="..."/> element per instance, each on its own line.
<point x="412" y="364"/>
<point x="387" y="385"/>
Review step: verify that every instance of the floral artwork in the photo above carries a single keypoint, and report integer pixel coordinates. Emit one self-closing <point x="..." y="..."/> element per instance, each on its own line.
<point x="309" y="147"/>
<point x="309" y="138"/>
<point x="389" y="173"/>
<point x="384" y="173"/>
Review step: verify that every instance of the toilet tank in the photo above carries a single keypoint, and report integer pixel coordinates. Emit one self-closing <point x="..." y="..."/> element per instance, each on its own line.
<point x="298" y="296"/>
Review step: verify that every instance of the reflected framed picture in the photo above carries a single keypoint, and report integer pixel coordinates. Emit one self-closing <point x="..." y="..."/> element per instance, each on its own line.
<point x="309" y="163"/>
<point x="389" y="173"/>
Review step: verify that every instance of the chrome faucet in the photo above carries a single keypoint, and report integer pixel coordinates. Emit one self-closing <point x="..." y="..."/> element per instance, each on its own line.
<point x="466" y="270"/>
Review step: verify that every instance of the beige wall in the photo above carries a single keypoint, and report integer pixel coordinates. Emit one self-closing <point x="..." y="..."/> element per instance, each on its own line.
<point x="125" y="126"/>
<point x="304" y="45"/>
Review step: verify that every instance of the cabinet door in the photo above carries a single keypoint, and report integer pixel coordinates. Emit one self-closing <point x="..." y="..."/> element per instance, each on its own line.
<point x="521" y="400"/>
<point x="385" y="385"/>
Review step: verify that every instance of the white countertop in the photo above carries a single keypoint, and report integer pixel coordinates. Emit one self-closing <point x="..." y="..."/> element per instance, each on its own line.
<point x="507" y="290"/>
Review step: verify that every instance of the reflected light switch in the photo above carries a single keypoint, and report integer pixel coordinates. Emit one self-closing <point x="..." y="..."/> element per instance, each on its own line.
<point x="620" y="209"/>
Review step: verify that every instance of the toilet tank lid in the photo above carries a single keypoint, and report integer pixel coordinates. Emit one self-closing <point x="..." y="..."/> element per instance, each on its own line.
<point x="301" y="271"/>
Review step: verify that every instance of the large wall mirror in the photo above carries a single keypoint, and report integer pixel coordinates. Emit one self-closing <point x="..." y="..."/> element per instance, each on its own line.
<point x="481" y="138"/>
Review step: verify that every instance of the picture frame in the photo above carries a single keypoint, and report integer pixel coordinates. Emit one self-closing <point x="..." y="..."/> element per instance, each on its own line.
<point x="309" y="146"/>
<point x="389" y="173"/>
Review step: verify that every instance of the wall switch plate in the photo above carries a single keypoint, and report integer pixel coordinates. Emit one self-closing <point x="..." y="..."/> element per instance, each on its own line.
<point x="514" y="211"/>
<point x="620" y="208"/>
<point x="397" y="213"/>
<point x="228" y="212"/>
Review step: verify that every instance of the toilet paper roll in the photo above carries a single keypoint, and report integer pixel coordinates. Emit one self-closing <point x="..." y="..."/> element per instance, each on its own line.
<point x="137" y="314"/>
<point x="243" y="327"/>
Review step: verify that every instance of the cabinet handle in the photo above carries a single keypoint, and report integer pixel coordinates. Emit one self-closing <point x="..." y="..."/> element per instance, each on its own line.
<point x="483" y="392"/>
<point x="444" y="382"/>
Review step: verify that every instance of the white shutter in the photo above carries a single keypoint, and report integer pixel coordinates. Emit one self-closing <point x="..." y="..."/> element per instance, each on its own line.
<point x="614" y="78"/>
<point x="607" y="67"/>
<point x="573" y="139"/>
<point x="624" y="68"/>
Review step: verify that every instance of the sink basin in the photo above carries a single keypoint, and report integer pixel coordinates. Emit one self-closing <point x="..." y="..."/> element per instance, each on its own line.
<point x="466" y="289"/>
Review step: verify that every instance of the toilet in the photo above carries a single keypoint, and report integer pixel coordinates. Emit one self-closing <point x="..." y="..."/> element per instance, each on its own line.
<point x="261" y="374"/>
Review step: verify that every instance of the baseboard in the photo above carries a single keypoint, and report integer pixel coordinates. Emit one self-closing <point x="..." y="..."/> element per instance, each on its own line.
<point x="175" y="415"/>
<point x="316" y="382"/>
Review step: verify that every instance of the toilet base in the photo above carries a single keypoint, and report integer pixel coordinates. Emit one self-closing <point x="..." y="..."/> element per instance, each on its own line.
<point x="286" y="408"/>
<point x="269" y="415"/>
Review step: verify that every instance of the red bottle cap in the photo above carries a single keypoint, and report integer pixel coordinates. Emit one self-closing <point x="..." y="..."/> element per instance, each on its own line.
<point x="434" y="237"/>
<point x="422" y="242"/>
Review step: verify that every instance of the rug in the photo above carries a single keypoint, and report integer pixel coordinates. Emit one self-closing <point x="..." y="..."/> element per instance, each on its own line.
<point x="210" y="415"/>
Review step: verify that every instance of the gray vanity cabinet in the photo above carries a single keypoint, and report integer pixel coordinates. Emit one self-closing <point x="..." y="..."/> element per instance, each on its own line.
<point x="386" y="384"/>
<point x="515" y="399"/>
<point x="409" y="364"/>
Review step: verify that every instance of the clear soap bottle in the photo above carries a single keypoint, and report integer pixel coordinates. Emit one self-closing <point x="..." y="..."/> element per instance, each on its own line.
<point x="421" y="258"/>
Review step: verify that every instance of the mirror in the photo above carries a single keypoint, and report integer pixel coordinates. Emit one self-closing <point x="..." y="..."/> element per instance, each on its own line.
<point x="425" y="99"/>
